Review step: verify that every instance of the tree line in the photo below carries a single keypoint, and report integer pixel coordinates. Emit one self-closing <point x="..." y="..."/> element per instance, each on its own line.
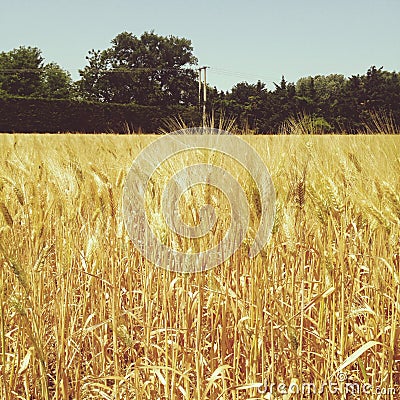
<point x="160" y="72"/>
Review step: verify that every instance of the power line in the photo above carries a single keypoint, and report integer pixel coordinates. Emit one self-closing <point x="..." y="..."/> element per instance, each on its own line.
<point x="14" y="70"/>
<point x="128" y="70"/>
<point x="242" y="75"/>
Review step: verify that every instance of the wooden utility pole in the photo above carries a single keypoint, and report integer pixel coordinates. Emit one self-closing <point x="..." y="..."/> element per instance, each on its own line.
<point x="203" y="99"/>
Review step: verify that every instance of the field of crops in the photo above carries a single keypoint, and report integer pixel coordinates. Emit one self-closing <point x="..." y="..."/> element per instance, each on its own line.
<point x="84" y="316"/>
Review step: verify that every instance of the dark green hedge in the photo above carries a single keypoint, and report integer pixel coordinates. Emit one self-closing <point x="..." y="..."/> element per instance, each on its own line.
<point x="41" y="115"/>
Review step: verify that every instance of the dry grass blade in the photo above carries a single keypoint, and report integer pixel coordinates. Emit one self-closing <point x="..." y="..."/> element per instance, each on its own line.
<point x="358" y="353"/>
<point x="25" y="362"/>
<point x="240" y="387"/>
<point x="217" y="374"/>
<point x="315" y="300"/>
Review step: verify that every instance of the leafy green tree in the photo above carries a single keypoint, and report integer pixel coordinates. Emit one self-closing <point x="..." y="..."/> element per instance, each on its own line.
<point x="381" y="88"/>
<point x="350" y="105"/>
<point x="306" y="95"/>
<point x="246" y="102"/>
<point x="151" y="70"/>
<point x="320" y="96"/>
<point x="56" y="83"/>
<point x="377" y="91"/>
<point x="283" y="104"/>
<point x="23" y="73"/>
<point x="20" y="71"/>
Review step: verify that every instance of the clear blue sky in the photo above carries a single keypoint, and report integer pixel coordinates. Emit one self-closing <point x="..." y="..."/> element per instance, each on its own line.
<point x="239" y="40"/>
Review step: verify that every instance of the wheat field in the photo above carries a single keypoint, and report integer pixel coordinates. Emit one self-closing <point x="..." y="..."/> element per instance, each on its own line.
<point x="84" y="316"/>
